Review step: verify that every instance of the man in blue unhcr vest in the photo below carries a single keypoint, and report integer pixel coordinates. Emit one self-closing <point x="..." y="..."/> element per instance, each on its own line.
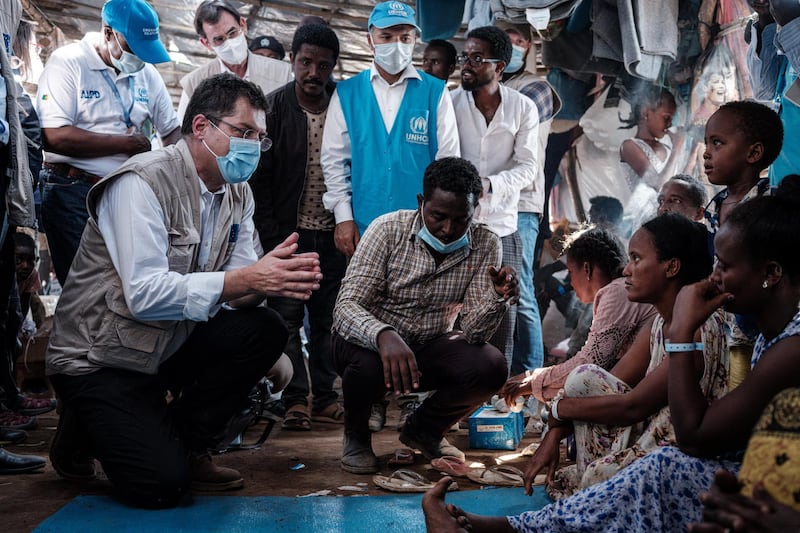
<point x="384" y="126"/>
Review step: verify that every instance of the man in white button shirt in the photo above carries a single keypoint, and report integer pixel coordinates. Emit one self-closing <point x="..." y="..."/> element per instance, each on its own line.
<point x="162" y="296"/>
<point x="498" y="128"/>
<point x="223" y="31"/>
<point x="384" y="126"/>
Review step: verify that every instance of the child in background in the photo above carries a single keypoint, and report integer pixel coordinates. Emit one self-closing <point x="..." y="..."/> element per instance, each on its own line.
<point x="646" y="160"/>
<point x="28" y="282"/>
<point x="742" y="139"/>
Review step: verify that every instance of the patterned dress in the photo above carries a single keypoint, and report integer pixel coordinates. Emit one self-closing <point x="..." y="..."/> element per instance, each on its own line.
<point x="656" y="493"/>
<point x="605" y="450"/>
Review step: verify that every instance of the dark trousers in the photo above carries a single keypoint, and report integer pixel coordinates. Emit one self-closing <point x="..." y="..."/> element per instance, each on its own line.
<point x="10" y="322"/>
<point x="141" y="441"/>
<point x="462" y="374"/>
<point x="64" y="216"/>
<point x="320" y="317"/>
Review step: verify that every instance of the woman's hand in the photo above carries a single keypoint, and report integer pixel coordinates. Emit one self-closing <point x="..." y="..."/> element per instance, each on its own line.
<point x="727" y="510"/>
<point x="517" y="386"/>
<point x="694" y="304"/>
<point x="547" y="456"/>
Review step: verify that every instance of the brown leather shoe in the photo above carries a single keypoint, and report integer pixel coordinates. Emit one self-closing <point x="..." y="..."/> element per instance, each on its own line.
<point x="208" y="477"/>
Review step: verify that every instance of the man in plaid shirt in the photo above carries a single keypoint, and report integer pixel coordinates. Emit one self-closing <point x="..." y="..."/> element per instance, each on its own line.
<point x="412" y="274"/>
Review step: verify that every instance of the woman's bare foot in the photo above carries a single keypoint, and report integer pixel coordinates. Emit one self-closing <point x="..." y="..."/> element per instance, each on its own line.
<point x="441" y="517"/>
<point x="438" y="515"/>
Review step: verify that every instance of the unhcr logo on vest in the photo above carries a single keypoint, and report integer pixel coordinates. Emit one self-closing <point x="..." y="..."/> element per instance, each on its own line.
<point x="397" y="9"/>
<point x="418" y="133"/>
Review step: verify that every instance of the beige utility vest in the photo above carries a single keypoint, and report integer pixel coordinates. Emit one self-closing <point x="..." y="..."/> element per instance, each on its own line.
<point x="93" y="326"/>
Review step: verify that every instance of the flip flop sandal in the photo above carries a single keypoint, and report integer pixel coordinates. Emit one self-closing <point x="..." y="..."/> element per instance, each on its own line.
<point x="450" y="465"/>
<point x="498" y="475"/>
<point x="297" y="419"/>
<point x="402" y="456"/>
<point x="332" y="414"/>
<point x="406" y="481"/>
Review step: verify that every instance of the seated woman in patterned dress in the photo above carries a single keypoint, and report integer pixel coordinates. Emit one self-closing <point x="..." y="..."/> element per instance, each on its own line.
<point x="595" y="259"/>
<point x="758" y="272"/>
<point x="620" y="416"/>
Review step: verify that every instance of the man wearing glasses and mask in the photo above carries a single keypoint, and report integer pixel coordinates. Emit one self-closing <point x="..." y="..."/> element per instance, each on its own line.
<point x="224" y="32"/>
<point x="163" y="295"/>
<point x="100" y="101"/>
<point x="384" y="126"/>
<point x="498" y="128"/>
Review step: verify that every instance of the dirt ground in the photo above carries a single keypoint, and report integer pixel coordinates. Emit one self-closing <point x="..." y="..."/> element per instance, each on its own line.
<point x="27" y="500"/>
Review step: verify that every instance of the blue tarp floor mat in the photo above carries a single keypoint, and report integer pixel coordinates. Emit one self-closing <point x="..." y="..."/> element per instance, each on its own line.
<point x="373" y="514"/>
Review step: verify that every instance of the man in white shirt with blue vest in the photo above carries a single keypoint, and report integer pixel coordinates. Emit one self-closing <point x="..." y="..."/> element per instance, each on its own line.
<point x="397" y="118"/>
<point x="499" y="129"/>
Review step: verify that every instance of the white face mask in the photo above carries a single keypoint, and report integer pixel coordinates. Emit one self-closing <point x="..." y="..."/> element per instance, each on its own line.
<point x="232" y="51"/>
<point x="128" y="63"/>
<point x="393" y="57"/>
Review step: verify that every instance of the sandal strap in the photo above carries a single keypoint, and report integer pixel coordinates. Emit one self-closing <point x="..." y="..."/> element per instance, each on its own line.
<point x="410" y="476"/>
<point x="508" y="472"/>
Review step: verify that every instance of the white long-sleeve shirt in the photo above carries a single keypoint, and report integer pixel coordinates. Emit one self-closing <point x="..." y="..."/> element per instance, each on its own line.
<point x="504" y="152"/>
<point x="131" y="221"/>
<point x="337" y="151"/>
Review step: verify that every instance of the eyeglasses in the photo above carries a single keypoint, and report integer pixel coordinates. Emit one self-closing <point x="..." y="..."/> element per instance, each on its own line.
<point x="248" y="135"/>
<point x="219" y="40"/>
<point x="474" y="60"/>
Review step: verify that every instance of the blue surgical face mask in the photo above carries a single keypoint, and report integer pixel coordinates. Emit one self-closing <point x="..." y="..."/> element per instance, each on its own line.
<point x="128" y="63"/>
<point x="517" y="60"/>
<point x="241" y="160"/>
<point x="393" y="57"/>
<point x="438" y="246"/>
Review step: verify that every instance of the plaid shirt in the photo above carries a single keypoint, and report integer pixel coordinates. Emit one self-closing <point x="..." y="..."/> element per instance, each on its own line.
<point x="542" y="96"/>
<point x="393" y="282"/>
<point x="538" y="90"/>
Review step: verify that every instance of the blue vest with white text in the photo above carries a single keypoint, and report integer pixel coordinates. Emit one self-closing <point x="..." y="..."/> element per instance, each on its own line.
<point x="387" y="168"/>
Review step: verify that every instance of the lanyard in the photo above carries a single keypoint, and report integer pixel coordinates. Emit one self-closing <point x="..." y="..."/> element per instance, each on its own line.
<point x="126" y="113"/>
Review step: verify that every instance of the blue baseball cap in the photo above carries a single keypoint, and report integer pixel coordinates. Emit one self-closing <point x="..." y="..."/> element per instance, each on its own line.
<point x="137" y="21"/>
<point x="392" y="13"/>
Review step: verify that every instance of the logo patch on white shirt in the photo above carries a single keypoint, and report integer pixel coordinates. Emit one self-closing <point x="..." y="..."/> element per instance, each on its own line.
<point x="90" y="94"/>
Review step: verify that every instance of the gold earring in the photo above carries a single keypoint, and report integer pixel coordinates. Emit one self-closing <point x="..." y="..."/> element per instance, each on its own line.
<point x="765" y="285"/>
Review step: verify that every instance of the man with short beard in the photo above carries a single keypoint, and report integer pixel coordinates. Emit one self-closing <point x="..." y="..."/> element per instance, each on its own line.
<point x="288" y="192"/>
<point x="498" y="130"/>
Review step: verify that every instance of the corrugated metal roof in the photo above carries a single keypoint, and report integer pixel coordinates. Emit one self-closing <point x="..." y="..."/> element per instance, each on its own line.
<point x="278" y="17"/>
